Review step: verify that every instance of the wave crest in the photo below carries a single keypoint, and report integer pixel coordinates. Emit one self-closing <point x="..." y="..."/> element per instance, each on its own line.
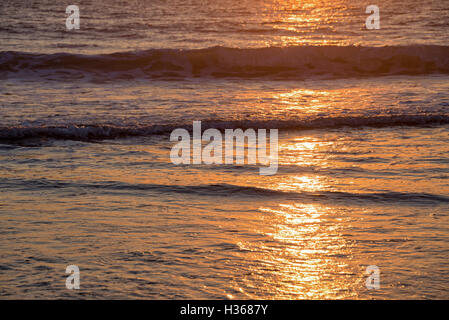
<point x="92" y="132"/>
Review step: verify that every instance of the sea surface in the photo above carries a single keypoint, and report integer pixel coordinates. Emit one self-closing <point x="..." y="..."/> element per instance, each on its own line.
<point x="85" y="171"/>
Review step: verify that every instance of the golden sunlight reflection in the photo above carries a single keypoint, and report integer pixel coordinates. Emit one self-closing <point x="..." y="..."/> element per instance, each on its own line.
<point x="306" y="151"/>
<point x="306" y="100"/>
<point x="308" y="22"/>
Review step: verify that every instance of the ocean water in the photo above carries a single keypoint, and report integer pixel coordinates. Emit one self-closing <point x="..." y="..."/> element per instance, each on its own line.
<point x="85" y="171"/>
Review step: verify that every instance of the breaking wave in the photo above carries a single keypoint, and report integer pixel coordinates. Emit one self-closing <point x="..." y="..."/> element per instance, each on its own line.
<point x="299" y="62"/>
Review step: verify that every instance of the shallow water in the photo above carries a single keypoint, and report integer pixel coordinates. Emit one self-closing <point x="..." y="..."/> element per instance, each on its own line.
<point x="86" y="177"/>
